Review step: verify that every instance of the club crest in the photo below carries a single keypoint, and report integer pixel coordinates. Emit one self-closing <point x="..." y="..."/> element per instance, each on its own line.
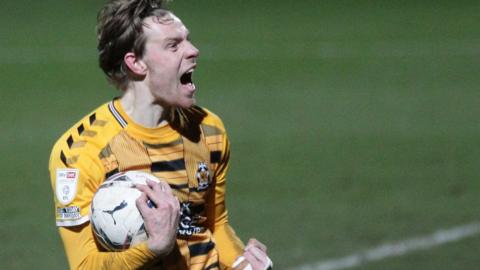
<point x="203" y="176"/>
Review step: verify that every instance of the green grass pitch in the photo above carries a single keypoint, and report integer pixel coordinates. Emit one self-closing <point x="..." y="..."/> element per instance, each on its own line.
<point x="353" y="123"/>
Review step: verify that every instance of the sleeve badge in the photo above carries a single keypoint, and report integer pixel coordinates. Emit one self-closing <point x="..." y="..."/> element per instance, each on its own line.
<point x="66" y="184"/>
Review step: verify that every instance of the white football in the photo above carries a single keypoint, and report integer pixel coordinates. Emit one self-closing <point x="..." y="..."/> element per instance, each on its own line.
<point x="116" y="221"/>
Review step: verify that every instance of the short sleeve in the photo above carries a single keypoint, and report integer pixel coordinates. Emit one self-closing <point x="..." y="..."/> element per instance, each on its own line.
<point x="75" y="176"/>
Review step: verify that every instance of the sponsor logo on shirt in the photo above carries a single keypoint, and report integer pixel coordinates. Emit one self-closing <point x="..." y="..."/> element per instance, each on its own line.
<point x="188" y="224"/>
<point x="70" y="212"/>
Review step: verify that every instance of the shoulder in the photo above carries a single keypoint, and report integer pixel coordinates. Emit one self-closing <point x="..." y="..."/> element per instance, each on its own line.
<point x="84" y="140"/>
<point x="75" y="166"/>
<point x="212" y="120"/>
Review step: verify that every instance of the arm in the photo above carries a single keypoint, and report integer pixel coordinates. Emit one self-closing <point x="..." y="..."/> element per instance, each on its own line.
<point x="228" y="243"/>
<point x="231" y="249"/>
<point x="83" y="253"/>
<point x="82" y="250"/>
<point x="74" y="183"/>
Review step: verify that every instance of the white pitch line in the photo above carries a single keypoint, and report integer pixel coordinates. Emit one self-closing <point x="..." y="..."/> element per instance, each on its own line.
<point x="437" y="238"/>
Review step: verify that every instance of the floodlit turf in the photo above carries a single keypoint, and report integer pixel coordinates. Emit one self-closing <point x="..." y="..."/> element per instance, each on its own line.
<point x="351" y="124"/>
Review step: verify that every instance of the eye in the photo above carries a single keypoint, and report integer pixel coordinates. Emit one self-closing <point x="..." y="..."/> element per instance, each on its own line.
<point x="172" y="45"/>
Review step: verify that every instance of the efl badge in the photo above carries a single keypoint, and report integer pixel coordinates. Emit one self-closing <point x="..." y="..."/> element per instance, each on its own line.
<point x="203" y="176"/>
<point x="66" y="185"/>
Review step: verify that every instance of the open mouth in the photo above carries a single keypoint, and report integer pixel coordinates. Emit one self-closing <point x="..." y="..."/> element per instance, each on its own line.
<point x="186" y="78"/>
<point x="187" y="81"/>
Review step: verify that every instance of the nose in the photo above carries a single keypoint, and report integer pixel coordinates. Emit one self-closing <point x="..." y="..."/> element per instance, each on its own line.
<point x="192" y="52"/>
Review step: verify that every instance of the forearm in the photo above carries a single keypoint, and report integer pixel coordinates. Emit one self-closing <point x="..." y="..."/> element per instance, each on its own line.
<point x="228" y="244"/>
<point x="133" y="258"/>
<point x="82" y="252"/>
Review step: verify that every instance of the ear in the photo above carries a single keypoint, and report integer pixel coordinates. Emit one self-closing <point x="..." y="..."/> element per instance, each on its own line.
<point x="134" y="64"/>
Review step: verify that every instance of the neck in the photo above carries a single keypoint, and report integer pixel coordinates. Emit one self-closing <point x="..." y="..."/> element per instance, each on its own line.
<point x="139" y="104"/>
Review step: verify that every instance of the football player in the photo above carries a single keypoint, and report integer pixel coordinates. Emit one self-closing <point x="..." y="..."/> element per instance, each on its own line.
<point x="154" y="126"/>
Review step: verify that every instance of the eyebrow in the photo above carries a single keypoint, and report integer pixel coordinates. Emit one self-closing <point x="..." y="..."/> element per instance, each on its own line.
<point x="171" y="41"/>
<point x="177" y="38"/>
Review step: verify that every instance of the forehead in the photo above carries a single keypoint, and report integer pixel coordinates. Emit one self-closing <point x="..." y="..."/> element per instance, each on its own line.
<point x="167" y="27"/>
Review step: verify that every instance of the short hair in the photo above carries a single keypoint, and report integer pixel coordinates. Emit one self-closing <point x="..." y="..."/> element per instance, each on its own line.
<point x="120" y="30"/>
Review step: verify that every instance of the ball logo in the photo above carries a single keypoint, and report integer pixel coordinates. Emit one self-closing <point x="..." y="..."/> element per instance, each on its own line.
<point x="122" y="205"/>
<point x="203" y="176"/>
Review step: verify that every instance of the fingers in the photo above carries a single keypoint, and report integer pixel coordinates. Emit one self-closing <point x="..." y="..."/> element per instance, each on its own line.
<point x="157" y="191"/>
<point x="163" y="186"/>
<point x="153" y="195"/>
<point x="142" y="204"/>
<point x="255" y="243"/>
<point x="256" y="254"/>
<point x="157" y="196"/>
<point x="161" y="222"/>
<point x="156" y="186"/>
